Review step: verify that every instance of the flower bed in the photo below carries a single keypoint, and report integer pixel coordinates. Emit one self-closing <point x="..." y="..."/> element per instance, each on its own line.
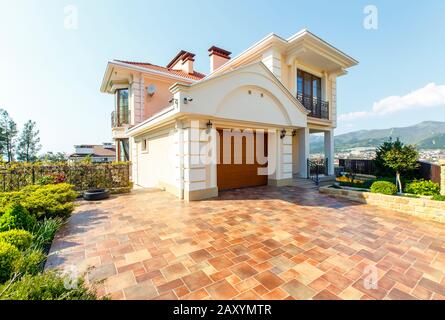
<point x="422" y="207"/>
<point x="29" y="220"/>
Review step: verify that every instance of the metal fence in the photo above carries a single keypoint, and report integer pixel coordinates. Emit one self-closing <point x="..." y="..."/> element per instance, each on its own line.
<point x="358" y="166"/>
<point x="429" y="171"/>
<point x="113" y="176"/>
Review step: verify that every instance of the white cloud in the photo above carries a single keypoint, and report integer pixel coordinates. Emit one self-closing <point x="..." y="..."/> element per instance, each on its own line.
<point x="429" y="96"/>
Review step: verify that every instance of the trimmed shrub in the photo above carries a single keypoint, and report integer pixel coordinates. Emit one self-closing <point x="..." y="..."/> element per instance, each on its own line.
<point x="44" y="232"/>
<point x="47" y="286"/>
<point x="16" y="217"/>
<point x="8" y="255"/>
<point x="29" y="262"/>
<point x="20" y="238"/>
<point x="384" y="187"/>
<point x="423" y="187"/>
<point x="43" y="201"/>
<point x="438" y="197"/>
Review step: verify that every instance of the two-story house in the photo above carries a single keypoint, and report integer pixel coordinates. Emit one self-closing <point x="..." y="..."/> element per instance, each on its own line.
<point x="246" y="123"/>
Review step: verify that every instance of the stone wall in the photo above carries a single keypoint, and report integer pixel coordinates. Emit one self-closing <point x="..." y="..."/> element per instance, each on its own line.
<point x="420" y="207"/>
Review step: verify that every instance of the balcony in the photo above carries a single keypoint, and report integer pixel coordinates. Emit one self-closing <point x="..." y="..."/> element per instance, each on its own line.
<point x="317" y="107"/>
<point x="120" y="119"/>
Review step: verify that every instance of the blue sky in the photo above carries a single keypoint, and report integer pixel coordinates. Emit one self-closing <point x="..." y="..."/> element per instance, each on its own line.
<point x="52" y="75"/>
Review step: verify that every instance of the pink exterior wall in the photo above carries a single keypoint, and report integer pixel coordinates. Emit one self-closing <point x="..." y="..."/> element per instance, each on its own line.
<point x="160" y="99"/>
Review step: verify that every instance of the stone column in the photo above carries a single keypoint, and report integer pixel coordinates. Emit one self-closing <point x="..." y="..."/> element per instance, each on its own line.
<point x="329" y="150"/>
<point x="303" y="151"/>
<point x="442" y="177"/>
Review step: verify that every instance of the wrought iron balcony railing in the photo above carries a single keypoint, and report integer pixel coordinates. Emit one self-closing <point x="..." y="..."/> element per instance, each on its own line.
<point x="121" y="118"/>
<point x="317" y="107"/>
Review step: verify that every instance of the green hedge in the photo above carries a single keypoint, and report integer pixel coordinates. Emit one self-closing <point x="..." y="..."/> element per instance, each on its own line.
<point x="9" y="254"/>
<point x="20" y="238"/>
<point x="46" y="286"/>
<point x="16" y="216"/>
<point x="423" y="187"/>
<point x="113" y="176"/>
<point x="41" y="201"/>
<point x="384" y="187"/>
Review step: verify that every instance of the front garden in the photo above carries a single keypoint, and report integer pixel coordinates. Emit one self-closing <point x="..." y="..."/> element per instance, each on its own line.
<point x="29" y="220"/>
<point x="395" y="170"/>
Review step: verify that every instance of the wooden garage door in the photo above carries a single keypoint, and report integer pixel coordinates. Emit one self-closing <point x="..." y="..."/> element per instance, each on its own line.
<point x="234" y="175"/>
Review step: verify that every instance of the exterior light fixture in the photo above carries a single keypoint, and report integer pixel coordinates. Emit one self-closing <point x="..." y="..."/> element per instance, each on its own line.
<point x="283" y="133"/>
<point x="187" y="100"/>
<point x="294" y="132"/>
<point x="209" y="125"/>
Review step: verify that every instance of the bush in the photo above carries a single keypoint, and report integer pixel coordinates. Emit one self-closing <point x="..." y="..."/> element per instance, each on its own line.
<point x="29" y="262"/>
<point x="8" y="255"/>
<point x="47" y="286"/>
<point x="20" y="238"/>
<point x="16" y="217"/>
<point x="43" y="201"/>
<point x="384" y="187"/>
<point x="423" y="187"/>
<point x="44" y="232"/>
<point x="438" y="197"/>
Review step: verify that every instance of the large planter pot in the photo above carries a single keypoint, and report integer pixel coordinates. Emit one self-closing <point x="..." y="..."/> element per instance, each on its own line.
<point x="96" y="194"/>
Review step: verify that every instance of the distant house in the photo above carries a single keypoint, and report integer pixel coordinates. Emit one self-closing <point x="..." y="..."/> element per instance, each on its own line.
<point x="98" y="153"/>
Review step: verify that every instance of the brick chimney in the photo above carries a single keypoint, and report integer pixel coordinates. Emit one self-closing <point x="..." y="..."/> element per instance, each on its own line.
<point x="183" y="62"/>
<point x="218" y="57"/>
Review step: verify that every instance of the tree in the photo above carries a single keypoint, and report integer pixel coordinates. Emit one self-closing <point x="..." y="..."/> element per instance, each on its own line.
<point x="53" y="157"/>
<point x="400" y="158"/>
<point x="381" y="169"/>
<point x="29" y="143"/>
<point x="8" y="133"/>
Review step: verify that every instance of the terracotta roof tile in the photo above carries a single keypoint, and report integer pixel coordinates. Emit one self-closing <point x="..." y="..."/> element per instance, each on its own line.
<point x="193" y="76"/>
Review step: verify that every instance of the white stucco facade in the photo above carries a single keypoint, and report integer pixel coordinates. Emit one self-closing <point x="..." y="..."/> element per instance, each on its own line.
<point x="177" y="149"/>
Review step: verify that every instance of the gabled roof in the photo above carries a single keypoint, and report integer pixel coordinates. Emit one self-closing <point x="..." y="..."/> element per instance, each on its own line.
<point x="193" y="76"/>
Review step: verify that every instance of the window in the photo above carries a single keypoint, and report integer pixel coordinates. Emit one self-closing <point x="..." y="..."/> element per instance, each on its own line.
<point x="308" y="85"/>
<point x="122" y="106"/>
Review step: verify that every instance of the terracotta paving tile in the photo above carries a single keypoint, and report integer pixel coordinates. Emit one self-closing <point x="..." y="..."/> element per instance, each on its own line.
<point x="197" y="295"/>
<point x="248" y="295"/>
<point x="200" y="255"/>
<point x="141" y="291"/>
<point x="432" y="286"/>
<point x="120" y="281"/>
<point x="396" y="294"/>
<point x="253" y="243"/>
<point x="398" y="277"/>
<point x="276" y="294"/>
<point x="326" y="295"/>
<point x="220" y="263"/>
<point x="260" y="289"/>
<point x="421" y="293"/>
<point x="269" y="280"/>
<point x="170" y="285"/>
<point x="174" y="271"/>
<point x="243" y="271"/>
<point x="298" y="290"/>
<point x="221" y="290"/>
<point x="102" y="272"/>
<point x="181" y="291"/>
<point x="220" y="275"/>
<point x="196" y="280"/>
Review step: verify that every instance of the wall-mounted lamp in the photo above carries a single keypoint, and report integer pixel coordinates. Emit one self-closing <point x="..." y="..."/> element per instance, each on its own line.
<point x="294" y="132"/>
<point x="187" y="100"/>
<point x="283" y="133"/>
<point x="209" y="125"/>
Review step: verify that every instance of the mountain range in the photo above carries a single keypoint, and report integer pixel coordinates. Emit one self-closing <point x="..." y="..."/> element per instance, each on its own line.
<point x="425" y="135"/>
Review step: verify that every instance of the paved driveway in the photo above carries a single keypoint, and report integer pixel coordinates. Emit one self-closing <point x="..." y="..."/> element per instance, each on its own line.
<point x="269" y="243"/>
